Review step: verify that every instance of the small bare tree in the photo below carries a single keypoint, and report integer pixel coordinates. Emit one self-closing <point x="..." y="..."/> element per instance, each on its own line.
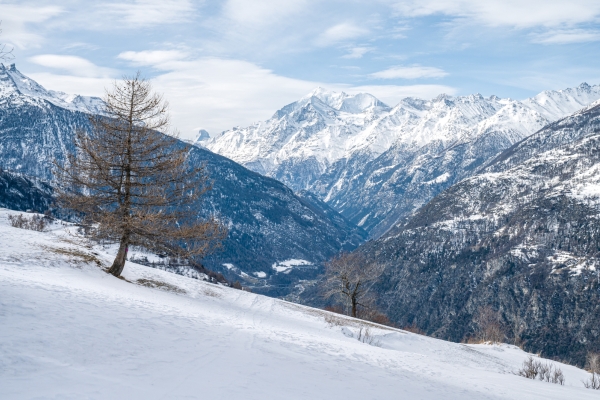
<point x="132" y="184"/>
<point x="349" y="278"/>
<point x="489" y="323"/>
<point x="592" y="362"/>
<point x="593" y="366"/>
<point x="5" y="53"/>
<point x="546" y="372"/>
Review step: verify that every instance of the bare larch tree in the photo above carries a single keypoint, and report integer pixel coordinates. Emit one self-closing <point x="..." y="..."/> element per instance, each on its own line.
<point x="490" y="326"/>
<point x="6" y="54"/>
<point x="132" y="184"/>
<point x="349" y="278"/>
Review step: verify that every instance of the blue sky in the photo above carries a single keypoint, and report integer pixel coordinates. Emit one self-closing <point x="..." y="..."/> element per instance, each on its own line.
<point x="228" y="63"/>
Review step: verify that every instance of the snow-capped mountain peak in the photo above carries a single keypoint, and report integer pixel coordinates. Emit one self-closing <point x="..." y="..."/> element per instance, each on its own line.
<point x="357" y="153"/>
<point x="342" y="101"/>
<point x="16" y="85"/>
<point x="555" y="104"/>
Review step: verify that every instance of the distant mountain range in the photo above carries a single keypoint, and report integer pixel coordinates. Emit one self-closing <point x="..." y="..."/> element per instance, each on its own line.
<point x="472" y="203"/>
<point x="268" y="224"/>
<point x="377" y="164"/>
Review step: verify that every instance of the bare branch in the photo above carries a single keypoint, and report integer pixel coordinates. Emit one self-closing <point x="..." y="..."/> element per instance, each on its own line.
<point x="6" y="54"/>
<point x="349" y="278"/>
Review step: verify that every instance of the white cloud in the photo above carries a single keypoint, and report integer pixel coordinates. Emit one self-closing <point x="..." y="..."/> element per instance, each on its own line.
<point x="357" y="52"/>
<point x="75" y="65"/>
<point x="340" y="33"/>
<point x="414" y="72"/>
<point x="567" y="36"/>
<point x="152" y="57"/>
<point x="16" y="17"/>
<point x="216" y="93"/>
<point x="263" y="12"/>
<point x="73" y="84"/>
<point x="392" y="94"/>
<point x="141" y="13"/>
<point x="516" y="13"/>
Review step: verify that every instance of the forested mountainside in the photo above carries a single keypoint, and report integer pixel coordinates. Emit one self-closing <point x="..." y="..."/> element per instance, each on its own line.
<point x="20" y="193"/>
<point x="268" y="224"/>
<point x="376" y="164"/>
<point x="522" y="237"/>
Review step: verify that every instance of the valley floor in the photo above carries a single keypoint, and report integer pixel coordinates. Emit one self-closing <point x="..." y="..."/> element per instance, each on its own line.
<point x="68" y="330"/>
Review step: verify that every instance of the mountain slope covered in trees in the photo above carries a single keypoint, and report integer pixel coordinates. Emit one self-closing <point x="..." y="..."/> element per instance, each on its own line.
<point x="21" y="193"/>
<point x="520" y="237"/>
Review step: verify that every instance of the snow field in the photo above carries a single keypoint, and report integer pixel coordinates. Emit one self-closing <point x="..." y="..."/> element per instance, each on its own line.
<point x="68" y="330"/>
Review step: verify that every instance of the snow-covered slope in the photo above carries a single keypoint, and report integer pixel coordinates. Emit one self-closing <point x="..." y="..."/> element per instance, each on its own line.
<point x="69" y="330"/>
<point x="377" y="164"/>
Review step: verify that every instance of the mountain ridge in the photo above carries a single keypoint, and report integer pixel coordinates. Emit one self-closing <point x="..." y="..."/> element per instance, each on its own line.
<point x="357" y="162"/>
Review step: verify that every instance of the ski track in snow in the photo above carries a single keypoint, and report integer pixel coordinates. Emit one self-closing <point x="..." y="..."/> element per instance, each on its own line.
<point x="68" y="330"/>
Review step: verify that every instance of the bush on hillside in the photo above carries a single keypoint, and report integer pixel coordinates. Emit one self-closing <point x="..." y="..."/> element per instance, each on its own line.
<point x="34" y="223"/>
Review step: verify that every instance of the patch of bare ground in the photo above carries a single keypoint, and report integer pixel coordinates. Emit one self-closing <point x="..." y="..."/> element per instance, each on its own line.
<point x="159" y="285"/>
<point x="211" y="293"/>
<point x="334" y="319"/>
<point x="75" y="256"/>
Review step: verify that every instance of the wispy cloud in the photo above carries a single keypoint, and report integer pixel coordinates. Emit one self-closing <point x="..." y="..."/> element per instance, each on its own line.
<point x="262" y="12"/>
<point x="216" y="93"/>
<point x="567" y="36"/>
<point x="357" y="52"/>
<point x="520" y="14"/>
<point x="154" y="58"/>
<point x="71" y="84"/>
<point x="392" y="94"/>
<point x="17" y="17"/>
<point x="339" y="33"/>
<point x="143" y="13"/>
<point x="413" y="72"/>
<point x="74" y="65"/>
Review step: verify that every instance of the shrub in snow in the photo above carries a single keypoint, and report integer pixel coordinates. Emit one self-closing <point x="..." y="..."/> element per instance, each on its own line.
<point x="593" y="382"/>
<point x="35" y="223"/>
<point x="490" y="327"/>
<point x="365" y="336"/>
<point x="546" y="372"/>
<point x="375" y="316"/>
<point x="236" y="285"/>
<point x="593" y="365"/>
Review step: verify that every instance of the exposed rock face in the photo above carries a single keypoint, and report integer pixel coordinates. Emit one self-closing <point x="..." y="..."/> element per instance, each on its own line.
<point x="521" y="236"/>
<point x="267" y="222"/>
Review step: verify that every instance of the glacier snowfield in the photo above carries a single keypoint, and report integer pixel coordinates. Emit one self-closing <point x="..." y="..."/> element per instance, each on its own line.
<point x="68" y="330"/>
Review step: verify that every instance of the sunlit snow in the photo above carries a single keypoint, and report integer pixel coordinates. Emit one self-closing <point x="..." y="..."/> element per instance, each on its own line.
<point x="68" y="330"/>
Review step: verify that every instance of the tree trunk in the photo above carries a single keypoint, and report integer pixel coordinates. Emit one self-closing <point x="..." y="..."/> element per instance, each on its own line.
<point x="354" y="307"/>
<point x="117" y="268"/>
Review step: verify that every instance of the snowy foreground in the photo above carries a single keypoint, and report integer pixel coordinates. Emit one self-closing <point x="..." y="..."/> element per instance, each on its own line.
<point x="68" y="330"/>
